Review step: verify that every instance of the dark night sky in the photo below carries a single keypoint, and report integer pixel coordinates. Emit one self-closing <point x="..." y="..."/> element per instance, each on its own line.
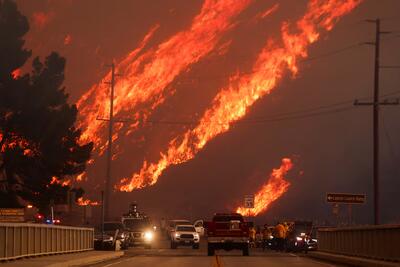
<point x="334" y="150"/>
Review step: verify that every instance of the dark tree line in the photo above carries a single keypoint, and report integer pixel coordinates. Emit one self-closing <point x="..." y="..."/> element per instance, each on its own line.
<point x="38" y="139"/>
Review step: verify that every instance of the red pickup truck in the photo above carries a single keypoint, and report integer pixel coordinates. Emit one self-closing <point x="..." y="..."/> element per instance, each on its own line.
<point x="227" y="231"/>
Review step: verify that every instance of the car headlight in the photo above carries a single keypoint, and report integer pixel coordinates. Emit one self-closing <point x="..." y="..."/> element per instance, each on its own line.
<point x="148" y="236"/>
<point x="299" y="238"/>
<point x="177" y="235"/>
<point x="196" y="235"/>
<point x="123" y="235"/>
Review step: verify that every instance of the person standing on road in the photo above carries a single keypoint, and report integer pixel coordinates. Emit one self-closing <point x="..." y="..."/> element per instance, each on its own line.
<point x="266" y="236"/>
<point x="252" y="235"/>
<point x="279" y="235"/>
<point x="163" y="225"/>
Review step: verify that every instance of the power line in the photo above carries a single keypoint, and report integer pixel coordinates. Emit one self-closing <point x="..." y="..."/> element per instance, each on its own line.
<point x="259" y="121"/>
<point x="298" y="114"/>
<point x="333" y="52"/>
<point x="304" y="116"/>
<point x="317" y="57"/>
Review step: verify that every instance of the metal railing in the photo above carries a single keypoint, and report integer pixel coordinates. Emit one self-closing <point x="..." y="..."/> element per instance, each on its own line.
<point x="375" y="242"/>
<point x="25" y="239"/>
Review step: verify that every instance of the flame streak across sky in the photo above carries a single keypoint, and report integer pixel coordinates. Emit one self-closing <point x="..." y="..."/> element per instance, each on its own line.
<point x="144" y="79"/>
<point x="275" y="187"/>
<point x="232" y="102"/>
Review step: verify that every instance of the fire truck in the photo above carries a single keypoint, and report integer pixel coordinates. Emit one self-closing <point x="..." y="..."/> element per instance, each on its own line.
<point x="138" y="226"/>
<point x="228" y="231"/>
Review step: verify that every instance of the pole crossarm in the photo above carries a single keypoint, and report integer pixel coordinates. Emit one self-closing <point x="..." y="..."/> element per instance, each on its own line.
<point x="386" y="102"/>
<point x="114" y="120"/>
<point x="390" y="67"/>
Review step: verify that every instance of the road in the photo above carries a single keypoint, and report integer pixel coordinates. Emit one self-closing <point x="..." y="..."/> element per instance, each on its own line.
<point x="162" y="256"/>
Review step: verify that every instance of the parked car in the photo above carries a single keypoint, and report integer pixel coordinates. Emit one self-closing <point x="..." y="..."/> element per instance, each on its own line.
<point x="299" y="236"/>
<point x="103" y="241"/>
<point x="185" y="235"/>
<point x="117" y="231"/>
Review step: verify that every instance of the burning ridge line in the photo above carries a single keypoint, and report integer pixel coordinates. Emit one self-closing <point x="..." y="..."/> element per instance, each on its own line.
<point x="232" y="102"/>
<point x="144" y="79"/>
<point x="272" y="190"/>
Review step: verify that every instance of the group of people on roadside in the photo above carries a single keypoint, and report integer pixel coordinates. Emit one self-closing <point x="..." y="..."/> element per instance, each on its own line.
<point x="274" y="237"/>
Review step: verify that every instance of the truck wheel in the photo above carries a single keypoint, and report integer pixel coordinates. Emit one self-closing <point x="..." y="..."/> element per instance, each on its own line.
<point x="245" y="250"/>
<point x="196" y="246"/>
<point x="173" y="245"/>
<point x="210" y="250"/>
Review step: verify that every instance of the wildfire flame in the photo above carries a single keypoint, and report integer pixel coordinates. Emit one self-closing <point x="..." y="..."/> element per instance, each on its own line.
<point x="232" y="103"/>
<point x="80" y="177"/>
<point x="267" y="12"/>
<point x="86" y="202"/>
<point x="271" y="191"/>
<point x="144" y="79"/>
<point x="56" y="180"/>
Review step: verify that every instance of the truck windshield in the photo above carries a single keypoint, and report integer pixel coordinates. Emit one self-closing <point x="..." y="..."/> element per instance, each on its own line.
<point x="185" y="229"/>
<point x="135" y="224"/>
<point x="227" y="218"/>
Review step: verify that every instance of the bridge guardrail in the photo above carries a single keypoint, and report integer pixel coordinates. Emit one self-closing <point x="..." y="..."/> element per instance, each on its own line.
<point x="375" y="242"/>
<point x="26" y="239"/>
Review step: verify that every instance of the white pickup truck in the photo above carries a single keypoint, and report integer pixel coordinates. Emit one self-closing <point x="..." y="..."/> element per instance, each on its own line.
<point x="185" y="235"/>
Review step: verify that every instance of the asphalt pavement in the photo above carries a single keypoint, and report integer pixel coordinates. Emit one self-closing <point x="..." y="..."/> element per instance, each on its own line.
<point x="161" y="255"/>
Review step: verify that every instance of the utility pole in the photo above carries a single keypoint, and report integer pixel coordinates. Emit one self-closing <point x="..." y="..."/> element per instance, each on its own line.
<point x="110" y="120"/>
<point x="109" y="148"/>
<point x="376" y="106"/>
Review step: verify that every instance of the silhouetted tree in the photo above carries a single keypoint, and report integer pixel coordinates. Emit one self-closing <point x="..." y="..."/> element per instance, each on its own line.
<point x="38" y="139"/>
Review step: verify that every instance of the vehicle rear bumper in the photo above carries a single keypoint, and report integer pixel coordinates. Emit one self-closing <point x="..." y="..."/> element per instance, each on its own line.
<point x="228" y="243"/>
<point x="228" y="239"/>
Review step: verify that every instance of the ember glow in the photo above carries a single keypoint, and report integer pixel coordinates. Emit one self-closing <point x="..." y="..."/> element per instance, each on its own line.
<point x="233" y="102"/>
<point x="144" y="80"/>
<point x="41" y="19"/>
<point x="16" y="74"/>
<point x="275" y="187"/>
<point x="86" y="202"/>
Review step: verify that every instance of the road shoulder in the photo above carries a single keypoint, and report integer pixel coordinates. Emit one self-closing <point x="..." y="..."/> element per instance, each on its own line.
<point x="66" y="260"/>
<point x="353" y="261"/>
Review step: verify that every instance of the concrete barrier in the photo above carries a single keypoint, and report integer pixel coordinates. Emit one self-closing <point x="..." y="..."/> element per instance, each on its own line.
<point x="25" y="239"/>
<point x="374" y="242"/>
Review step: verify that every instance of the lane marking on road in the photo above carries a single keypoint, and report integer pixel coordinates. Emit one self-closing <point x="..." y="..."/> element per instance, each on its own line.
<point x="217" y="261"/>
<point x="324" y="264"/>
<point x="117" y="262"/>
